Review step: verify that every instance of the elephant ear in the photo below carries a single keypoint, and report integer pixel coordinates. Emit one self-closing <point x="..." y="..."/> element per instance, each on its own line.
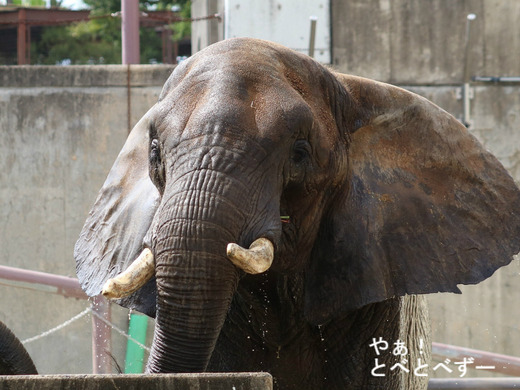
<point x="113" y="234"/>
<point x="426" y="208"/>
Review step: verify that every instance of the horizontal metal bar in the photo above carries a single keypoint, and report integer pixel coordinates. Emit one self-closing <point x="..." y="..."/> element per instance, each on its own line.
<point x="504" y="364"/>
<point x="474" y="384"/>
<point x="62" y="285"/>
<point x="500" y="79"/>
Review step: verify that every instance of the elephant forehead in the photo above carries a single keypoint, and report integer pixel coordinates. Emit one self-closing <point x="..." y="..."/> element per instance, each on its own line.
<point x="230" y="105"/>
<point x="248" y="87"/>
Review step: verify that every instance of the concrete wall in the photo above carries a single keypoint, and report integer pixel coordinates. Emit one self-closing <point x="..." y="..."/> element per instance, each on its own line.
<point x="62" y="128"/>
<point x="236" y="381"/>
<point x="420" y="45"/>
<point x="205" y="33"/>
<point x="423" y="42"/>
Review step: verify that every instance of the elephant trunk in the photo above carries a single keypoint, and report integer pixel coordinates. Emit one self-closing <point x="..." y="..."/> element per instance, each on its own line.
<point x="14" y="359"/>
<point x="195" y="287"/>
<point x="195" y="279"/>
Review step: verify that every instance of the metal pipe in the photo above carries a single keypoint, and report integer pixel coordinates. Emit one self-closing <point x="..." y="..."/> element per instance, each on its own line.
<point x="130" y="31"/>
<point x="41" y="281"/>
<point x="466" y="87"/>
<point x="312" y="39"/>
<point x="469" y="19"/>
<point x="500" y="79"/>
<point x="504" y="364"/>
<point x="68" y="287"/>
<point x="474" y="383"/>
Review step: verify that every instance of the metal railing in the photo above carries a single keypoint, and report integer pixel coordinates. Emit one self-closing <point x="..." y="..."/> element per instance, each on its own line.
<point x="474" y="384"/>
<point x="101" y="334"/>
<point x="69" y="287"/>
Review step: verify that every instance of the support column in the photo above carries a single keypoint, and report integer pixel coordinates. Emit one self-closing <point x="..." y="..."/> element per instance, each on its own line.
<point x="130" y="31"/>
<point x="22" y="37"/>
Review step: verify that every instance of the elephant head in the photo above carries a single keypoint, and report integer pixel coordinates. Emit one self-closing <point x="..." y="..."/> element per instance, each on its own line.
<point x="368" y="190"/>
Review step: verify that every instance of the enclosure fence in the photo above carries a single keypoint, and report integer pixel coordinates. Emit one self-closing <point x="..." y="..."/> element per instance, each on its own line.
<point x="99" y="308"/>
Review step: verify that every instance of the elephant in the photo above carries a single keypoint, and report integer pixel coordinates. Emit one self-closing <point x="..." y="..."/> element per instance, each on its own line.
<point x="275" y="215"/>
<point x="14" y="359"/>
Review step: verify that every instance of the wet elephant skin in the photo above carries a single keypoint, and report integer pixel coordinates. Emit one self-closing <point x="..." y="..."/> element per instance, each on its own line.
<point x="370" y="194"/>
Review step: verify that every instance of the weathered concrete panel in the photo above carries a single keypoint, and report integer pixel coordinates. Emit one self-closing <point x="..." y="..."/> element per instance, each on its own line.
<point x="235" y="381"/>
<point x="360" y="37"/>
<point x="423" y="42"/>
<point x="62" y="128"/>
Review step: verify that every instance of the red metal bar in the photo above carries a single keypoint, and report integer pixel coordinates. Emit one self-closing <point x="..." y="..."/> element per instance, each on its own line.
<point x="474" y="384"/>
<point x="62" y="285"/>
<point x="130" y="31"/>
<point x="69" y="287"/>
<point x="504" y="364"/>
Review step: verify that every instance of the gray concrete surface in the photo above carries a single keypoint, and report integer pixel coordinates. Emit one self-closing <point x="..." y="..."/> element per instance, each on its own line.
<point x="229" y="381"/>
<point x="423" y="42"/>
<point x="62" y="128"/>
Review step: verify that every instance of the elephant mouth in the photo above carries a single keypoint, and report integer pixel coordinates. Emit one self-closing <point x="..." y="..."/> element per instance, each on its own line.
<point x="257" y="259"/>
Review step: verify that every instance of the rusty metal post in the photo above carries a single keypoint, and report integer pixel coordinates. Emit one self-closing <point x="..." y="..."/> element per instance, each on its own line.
<point x="22" y="36"/>
<point x="101" y="336"/>
<point x="167" y="46"/>
<point x="130" y="31"/>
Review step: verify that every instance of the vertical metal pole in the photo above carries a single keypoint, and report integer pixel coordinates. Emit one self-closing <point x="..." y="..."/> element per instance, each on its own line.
<point x="28" y="46"/>
<point x="101" y="337"/>
<point x="469" y="19"/>
<point x="227" y="25"/>
<point x="130" y="31"/>
<point x="312" y="39"/>
<point x="128" y="99"/>
<point x="167" y="45"/>
<point x="466" y="89"/>
<point x="22" y="36"/>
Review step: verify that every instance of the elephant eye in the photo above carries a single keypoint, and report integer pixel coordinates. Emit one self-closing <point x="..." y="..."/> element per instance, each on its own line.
<point x="301" y="151"/>
<point x="156" y="167"/>
<point x="155" y="156"/>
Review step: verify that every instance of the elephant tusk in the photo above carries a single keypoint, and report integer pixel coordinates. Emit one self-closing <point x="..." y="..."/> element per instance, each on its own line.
<point x="133" y="278"/>
<point x="255" y="260"/>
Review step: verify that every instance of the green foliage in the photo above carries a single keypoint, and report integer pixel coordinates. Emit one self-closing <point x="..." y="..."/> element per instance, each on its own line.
<point x="94" y="42"/>
<point x="99" y="40"/>
<point x="30" y="3"/>
<point x="182" y="29"/>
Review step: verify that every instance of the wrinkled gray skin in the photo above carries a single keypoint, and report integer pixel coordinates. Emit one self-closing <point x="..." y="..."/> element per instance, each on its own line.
<point x="387" y="194"/>
<point x="14" y="359"/>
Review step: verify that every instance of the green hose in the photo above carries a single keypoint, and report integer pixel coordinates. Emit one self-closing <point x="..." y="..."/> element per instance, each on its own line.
<point x="134" y="361"/>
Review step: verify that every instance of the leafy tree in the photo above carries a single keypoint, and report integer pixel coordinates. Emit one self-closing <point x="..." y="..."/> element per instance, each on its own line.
<point x="99" y="40"/>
